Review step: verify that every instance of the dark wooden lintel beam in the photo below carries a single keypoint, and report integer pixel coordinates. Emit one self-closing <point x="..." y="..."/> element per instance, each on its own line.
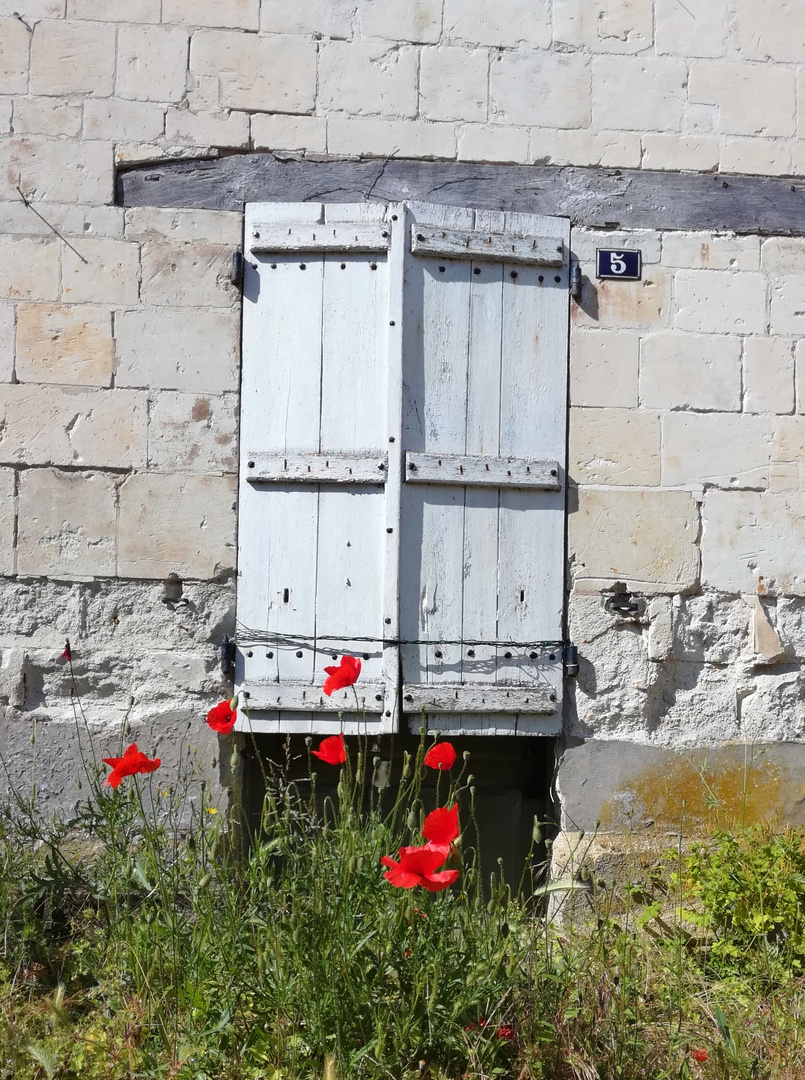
<point x="596" y="198"/>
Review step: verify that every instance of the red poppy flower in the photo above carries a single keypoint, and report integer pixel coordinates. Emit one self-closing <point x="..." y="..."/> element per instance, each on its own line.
<point x="417" y="866"/>
<point x="67" y="654"/>
<point x="222" y="717"/>
<point x="133" y="761"/>
<point x="332" y="750"/>
<point x="441" y="756"/>
<point x="346" y="674"/>
<point x="699" y="1055"/>
<point x="441" y="826"/>
<point x="505" y="1031"/>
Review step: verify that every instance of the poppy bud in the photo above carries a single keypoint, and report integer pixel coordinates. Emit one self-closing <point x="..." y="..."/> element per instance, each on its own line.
<point x="466" y="755"/>
<point x="411" y="820"/>
<point x="352" y="865"/>
<point x="536" y="833"/>
<point x="470" y="779"/>
<point x="233" y="702"/>
<point x="204" y="882"/>
<point x="472" y="792"/>
<point x="234" y="760"/>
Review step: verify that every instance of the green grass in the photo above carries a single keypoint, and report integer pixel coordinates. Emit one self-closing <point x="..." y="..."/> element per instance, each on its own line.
<point x="150" y="937"/>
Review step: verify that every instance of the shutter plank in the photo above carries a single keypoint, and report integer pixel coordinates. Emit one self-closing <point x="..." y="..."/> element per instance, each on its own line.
<point x="435" y="418"/>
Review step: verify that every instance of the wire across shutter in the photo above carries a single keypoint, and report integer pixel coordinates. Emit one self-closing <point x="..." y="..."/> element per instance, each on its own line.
<point x="402" y="482"/>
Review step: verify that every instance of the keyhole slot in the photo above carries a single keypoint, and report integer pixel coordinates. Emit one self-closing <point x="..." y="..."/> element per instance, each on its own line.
<point x="286" y="595"/>
<point x="522" y="596"/>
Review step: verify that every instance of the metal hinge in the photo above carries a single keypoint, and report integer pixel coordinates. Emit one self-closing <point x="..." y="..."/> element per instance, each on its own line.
<point x="229" y="652"/>
<point x="236" y="273"/>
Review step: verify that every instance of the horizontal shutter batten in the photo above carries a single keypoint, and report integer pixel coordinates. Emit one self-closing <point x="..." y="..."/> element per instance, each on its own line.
<point x="317" y="468"/>
<point x="476" y="470"/>
<point x="476" y="244"/>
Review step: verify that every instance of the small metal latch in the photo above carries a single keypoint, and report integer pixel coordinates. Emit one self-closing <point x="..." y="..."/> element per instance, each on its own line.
<point x="236" y="273"/>
<point x="228" y="655"/>
<point x="625" y="605"/>
<point x="575" y="282"/>
<point x="571" y="661"/>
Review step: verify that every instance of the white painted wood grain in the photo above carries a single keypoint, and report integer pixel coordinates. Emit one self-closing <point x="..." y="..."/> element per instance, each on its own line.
<point x="446" y="697"/>
<point x="316" y="468"/>
<point x="300" y="697"/>
<point x="301" y="239"/>
<point x="476" y="470"/>
<point x="481" y="245"/>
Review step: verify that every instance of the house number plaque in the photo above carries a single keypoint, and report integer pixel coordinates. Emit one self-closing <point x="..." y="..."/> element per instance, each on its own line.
<point x="626" y="265"/>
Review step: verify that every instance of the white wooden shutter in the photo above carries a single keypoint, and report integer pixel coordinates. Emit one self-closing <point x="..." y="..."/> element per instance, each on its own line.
<point x="402" y="481"/>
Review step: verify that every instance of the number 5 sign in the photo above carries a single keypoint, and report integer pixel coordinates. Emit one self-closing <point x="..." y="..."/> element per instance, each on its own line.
<point x="626" y="265"/>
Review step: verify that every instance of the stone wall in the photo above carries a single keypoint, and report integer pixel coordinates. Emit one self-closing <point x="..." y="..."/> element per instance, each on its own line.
<point x="119" y="336"/>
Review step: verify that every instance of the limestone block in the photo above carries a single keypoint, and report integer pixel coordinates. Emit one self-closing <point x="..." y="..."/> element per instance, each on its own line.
<point x="720" y="302"/>
<point x="453" y="83"/>
<point x="34" y="9"/>
<point x="5" y="115"/>
<point x="184" y="226"/>
<point x="587" y="241"/>
<point x="619" y="149"/>
<point x="700" y="120"/>
<point x="230" y="129"/>
<point x="57" y="344"/>
<point x="784" y="476"/>
<point x="769" y="29"/>
<point x="193" y="433"/>
<point x="699" y="28"/>
<point x="783" y="255"/>
<point x="6" y="342"/>
<point x="768" y="375"/>
<point x="791" y="625"/>
<point x="203" y="93"/>
<point x="519" y="23"/>
<point x="14" y="47"/>
<point x="52" y="425"/>
<point x="646" y="539"/>
<point x="279" y="132"/>
<point x="194" y="275"/>
<point x="113" y="119"/>
<point x="724" y="450"/>
<point x="788" y="439"/>
<point x="660" y="629"/>
<point x="176" y="523"/>
<point x="710" y="251"/>
<point x="239" y="14"/>
<point x="44" y="116"/>
<point x="773" y="711"/>
<point x="544" y="89"/>
<point x="365" y="77"/>
<point x="64" y="170"/>
<point x="419" y="22"/>
<point x="748" y="534"/>
<point x="638" y="93"/>
<point x="788" y="306"/>
<point x="7" y="521"/>
<point x="104" y="272"/>
<point x="614" y="446"/>
<point x="693" y="153"/>
<point x="611" y="26"/>
<point x="493" y="142"/>
<point x="151" y="63"/>
<point x="274" y="73"/>
<point x="800" y="376"/>
<point x="72" y="58"/>
<point x="757" y="157"/>
<point x="603" y="369"/>
<point x="67" y="523"/>
<point x="29" y="268"/>
<point x="691" y="371"/>
<point x="330" y="18"/>
<point x="711" y="629"/>
<point x="380" y="138"/>
<point x="752" y="99"/>
<point x="194" y="350"/>
<point x="70" y="220"/>
<point x="132" y="11"/>
<point x="615" y="304"/>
